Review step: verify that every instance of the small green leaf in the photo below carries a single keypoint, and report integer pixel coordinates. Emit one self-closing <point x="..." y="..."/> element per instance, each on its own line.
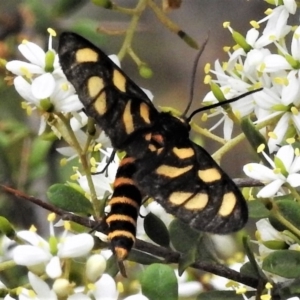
<point x="156" y="230"/>
<point x="248" y="270"/>
<point x="290" y="210"/>
<point x="183" y="236"/>
<point x="285" y="263"/>
<point x="254" y="137"/>
<point x="257" y="209"/>
<point x="7" y="228"/>
<point x="112" y="266"/>
<point x="69" y="199"/>
<point x="187" y="259"/>
<point x="159" y="282"/>
<point x="142" y="257"/>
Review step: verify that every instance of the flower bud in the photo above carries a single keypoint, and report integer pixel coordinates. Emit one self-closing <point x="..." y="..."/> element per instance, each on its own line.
<point x="95" y="267"/>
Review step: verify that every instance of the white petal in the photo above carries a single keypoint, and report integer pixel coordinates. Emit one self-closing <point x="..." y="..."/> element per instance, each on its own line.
<point x="275" y="63"/>
<point x="295" y="47"/>
<point x="33" y="238"/>
<point x="115" y="59"/>
<point x="259" y="172"/>
<point x="227" y="129"/>
<point x="78" y="121"/>
<point x="286" y="155"/>
<point x="290" y="92"/>
<point x="106" y="288"/>
<point x="252" y="36"/>
<point x="24" y="90"/>
<point x="189" y="289"/>
<point x="79" y="296"/>
<point x="43" y="86"/>
<point x="271" y="189"/>
<point x="267" y="231"/>
<point x="279" y="130"/>
<point x="33" y="53"/>
<point x="53" y="268"/>
<point x="69" y="104"/>
<point x="290" y="5"/>
<point x="23" y="68"/>
<point x="295" y="167"/>
<point x="75" y="246"/>
<point x="148" y="93"/>
<point x="41" y="288"/>
<point x="26" y="255"/>
<point x="294" y="180"/>
<point x="136" y="297"/>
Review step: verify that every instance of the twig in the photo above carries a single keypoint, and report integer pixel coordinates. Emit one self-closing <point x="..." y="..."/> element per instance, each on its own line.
<point x="170" y="256"/>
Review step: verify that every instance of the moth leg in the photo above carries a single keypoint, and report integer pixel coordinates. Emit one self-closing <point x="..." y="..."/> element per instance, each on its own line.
<point x="125" y="204"/>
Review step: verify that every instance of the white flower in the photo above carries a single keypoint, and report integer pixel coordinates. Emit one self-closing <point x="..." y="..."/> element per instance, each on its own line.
<point x="274" y="178"/>
<point x="41" y="82"/>
<point x="105" y="288"/>
<point x="49" y="255"/>
<point x="40" y="287"/>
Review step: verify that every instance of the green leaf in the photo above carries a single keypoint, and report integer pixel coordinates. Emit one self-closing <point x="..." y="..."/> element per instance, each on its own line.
<point x="142" y="257"/>
<point x="285" y="263"/>
<point x="290" y="210"/>
<point x="7" y="228"/>
<point x="183" y="236"/>
<point x="159" y="282"/>
<point x="255" y="138"/>
<point x="156" y="230"/>
<point x="187" y="259"/>
<point x="257" y="209"/>
<point x="69" y="199"/>
<point x="249" y="270"/>
<point x="112" y="268"/>
<point x="222" y="295"/>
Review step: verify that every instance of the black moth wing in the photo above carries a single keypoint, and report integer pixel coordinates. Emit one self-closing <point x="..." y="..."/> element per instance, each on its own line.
<point x="117" y="104"/>
<point x="188" y="183"/>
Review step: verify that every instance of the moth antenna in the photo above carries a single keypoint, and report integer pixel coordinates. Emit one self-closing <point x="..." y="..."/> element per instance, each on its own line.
<point x="220" y="104"/>
<point x="194" y="72"/>
<point x="111" y="158"/>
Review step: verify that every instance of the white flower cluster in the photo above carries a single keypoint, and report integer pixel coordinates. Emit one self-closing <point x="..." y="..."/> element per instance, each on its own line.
<point x="251" y="65"/>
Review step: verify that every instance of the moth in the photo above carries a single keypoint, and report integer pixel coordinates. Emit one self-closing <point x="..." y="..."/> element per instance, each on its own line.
<point x="161" y="161"/>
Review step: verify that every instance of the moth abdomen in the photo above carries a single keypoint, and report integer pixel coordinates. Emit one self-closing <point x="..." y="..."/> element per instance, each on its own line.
<point x="125" y="203"/>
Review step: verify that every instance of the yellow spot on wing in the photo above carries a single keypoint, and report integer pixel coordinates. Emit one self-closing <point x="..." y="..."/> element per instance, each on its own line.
<point x="152" y="148"/>
<point x="119" y="80"/>
<point x="183" y="153"/>
<point x="86" y="55"/>
<point x="118" y="217"/>
<point x="228" y="204"/>
<point x="127" y="118"/>
<point x="100" y="103"/>
<point x="95" y="85"/>
<point x="190" y="201"/>
<point x="148" y="136"/>
<point x="209" y="175"/>
<point x="144" y="112"/>
<point x="172" y="172"/>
